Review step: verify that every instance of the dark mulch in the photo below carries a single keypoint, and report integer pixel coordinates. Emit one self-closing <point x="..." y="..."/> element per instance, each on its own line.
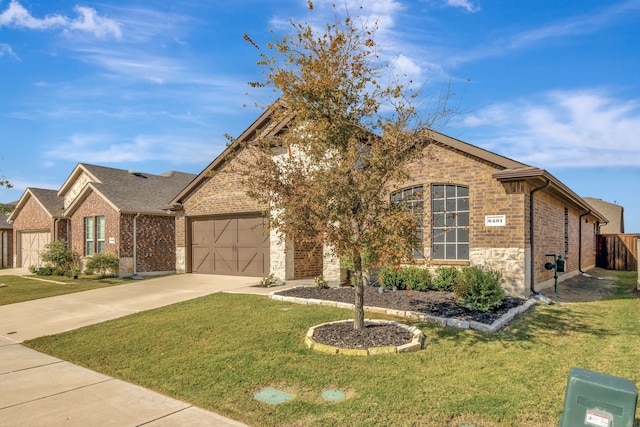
<point x="433" y="303"/>
<point x="342" y="335"/>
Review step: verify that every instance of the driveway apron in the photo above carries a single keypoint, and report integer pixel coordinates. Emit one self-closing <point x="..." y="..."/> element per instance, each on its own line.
<point x="40" y="390"/>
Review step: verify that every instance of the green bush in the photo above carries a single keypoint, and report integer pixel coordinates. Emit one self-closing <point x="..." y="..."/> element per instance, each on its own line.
<point x="416" y="278"/>
<point x="58" y="257"/>
<point x="479" y="289"/>
<point x="47" y="271"/>
<point x="390" y="277"/>
<point x="103" y="264"/>
<point x="445" y="278"/>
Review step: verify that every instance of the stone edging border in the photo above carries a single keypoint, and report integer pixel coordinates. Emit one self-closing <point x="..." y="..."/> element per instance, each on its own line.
<point x="442" y="321"/>
<point x="417" y="341"/>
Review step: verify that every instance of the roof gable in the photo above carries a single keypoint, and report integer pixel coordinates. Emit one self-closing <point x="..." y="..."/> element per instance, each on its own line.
<point x="48" y="200"/>
<point x="129" y="191"/>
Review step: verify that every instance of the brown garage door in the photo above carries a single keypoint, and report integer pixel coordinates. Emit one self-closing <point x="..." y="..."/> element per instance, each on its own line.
<point x="31" y="245"/>
<point x="230" y="245"/>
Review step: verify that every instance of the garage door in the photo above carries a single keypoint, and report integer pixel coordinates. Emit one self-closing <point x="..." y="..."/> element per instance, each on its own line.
<point x="31" y="245"/>
<point x="230" y="245"/>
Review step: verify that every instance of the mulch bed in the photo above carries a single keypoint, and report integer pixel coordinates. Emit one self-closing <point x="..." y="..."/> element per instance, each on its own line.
<point x="433" y="303"/>
<point x="342" y="335"/>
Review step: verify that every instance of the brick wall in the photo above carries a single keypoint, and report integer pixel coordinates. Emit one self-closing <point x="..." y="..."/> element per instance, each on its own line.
<point x="487" y="196"/>
<point x="155" y="242"/>
<point x="307" y="260"/>
<point x="95" y="205"/>
<point x="32" y="217"/>
<point x="6" y="248"/>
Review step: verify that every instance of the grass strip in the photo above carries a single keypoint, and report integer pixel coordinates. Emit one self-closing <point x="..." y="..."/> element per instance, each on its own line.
<point x="217" y="351"/>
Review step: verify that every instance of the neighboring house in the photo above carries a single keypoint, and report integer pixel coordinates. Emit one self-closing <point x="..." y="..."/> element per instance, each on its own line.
<point x="479" y="208"/>
<point x="37" y="220"/>
<point x="6" y="241"/>
<point x="613" y="212"/>
<point x="120" y="212"/>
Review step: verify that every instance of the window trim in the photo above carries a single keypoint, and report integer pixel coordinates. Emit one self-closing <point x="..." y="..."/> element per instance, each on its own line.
<point x="450" y="233"/>
<point x="94" y="235"/>
<point x="415" y="205"/>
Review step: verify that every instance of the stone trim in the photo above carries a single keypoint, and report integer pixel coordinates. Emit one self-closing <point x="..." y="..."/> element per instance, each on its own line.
<point x="441" y="321"/>
<point x="416" y="344"/>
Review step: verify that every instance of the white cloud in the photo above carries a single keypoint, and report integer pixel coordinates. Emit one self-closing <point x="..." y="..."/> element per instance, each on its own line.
<point x="583" y="128"/>
<point x="88" y="21"/>
<point x="6" y="49"/>
<point x="107" y="149"/>
<point x="575" y="26"/>
<point x="464" y="4"/>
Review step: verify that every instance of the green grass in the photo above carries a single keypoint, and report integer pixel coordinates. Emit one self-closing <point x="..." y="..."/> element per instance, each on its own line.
<point x="22" y="288"/>
<point x="217" y="351"/>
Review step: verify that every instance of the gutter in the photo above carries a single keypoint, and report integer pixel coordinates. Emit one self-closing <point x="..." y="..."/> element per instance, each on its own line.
<point x="580" y="242"/>
<point x="135" y="244"/>
<point x="531" y="234"/>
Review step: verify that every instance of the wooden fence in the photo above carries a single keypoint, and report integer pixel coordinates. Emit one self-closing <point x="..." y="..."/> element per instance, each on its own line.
<point x="618" y="252"/>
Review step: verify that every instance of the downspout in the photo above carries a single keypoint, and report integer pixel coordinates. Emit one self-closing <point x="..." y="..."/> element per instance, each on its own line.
<point x="135" y="244"/>
<point x="580" y="242"/>
<point x="531" y="234"/>
<point x="55" y="229"/>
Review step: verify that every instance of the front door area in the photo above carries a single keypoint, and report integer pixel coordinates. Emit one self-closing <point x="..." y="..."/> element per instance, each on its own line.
<point x="230" y="245"/>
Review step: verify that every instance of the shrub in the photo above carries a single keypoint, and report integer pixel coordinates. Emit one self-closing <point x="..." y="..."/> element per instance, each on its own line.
<point x="57" y="256"/>
<point x="47" y="270"/>
<point x="390" y="277"/>
<point x="321" y="283"/>
<point x="445" y="278"/>
<point x="416" y="278"/>
<point x="479" y="289"/>
<point x="104" y="264"/>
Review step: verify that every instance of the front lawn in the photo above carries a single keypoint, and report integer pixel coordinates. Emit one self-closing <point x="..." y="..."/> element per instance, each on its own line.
<point x="216" y="352"/>
<point x="24" y="288"/>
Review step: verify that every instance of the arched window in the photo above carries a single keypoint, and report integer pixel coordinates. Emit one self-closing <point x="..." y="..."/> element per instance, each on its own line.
<point x="413" y="199"/>
<point x="450" y="222"/>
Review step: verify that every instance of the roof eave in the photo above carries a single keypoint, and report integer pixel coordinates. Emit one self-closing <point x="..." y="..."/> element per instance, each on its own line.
<point x="537" y="177"/>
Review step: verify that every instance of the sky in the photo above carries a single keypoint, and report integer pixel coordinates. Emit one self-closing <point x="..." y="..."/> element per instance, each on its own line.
<point x="155" y="85"/>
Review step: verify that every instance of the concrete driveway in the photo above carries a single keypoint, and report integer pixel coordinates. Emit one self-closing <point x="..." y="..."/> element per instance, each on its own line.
<point x="40" y="390"/>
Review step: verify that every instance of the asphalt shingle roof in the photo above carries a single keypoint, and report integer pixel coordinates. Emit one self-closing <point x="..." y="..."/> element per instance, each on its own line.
<point x="133" y="191"/>
<point x="53" y="203"/>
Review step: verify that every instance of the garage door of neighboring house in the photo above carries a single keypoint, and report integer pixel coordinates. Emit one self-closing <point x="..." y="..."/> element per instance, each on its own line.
<point x="230" y="245"/>
<point x="31" y="245"/>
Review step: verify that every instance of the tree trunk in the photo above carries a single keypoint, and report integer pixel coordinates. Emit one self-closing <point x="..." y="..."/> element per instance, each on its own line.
<point x="358" y="319"/>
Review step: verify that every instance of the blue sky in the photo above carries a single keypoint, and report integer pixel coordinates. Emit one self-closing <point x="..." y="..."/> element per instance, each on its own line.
<point x="154" y="85"/>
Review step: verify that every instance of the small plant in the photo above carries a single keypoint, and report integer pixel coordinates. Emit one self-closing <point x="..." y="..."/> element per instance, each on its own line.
<point x="321" y="283"/>
<point x="103" y="264"/>
<point x="479" y="289"/>
<point x="416" y="278"/>
<point x="58" y="259"/>
<point x="268" y="281"/>
<point x="445" y="278"/>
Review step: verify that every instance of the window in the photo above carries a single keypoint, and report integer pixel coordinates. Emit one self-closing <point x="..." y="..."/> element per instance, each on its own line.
<point x="450" y="222"/>
<point x="94" y="235"/>
<point x="413" y="199"/>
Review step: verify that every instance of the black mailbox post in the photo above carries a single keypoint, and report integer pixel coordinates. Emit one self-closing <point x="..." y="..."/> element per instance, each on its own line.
<point x="558" y="265"/>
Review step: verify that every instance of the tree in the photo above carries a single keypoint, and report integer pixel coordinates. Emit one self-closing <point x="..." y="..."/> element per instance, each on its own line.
<point x="348" y="140"/>
<point x="4" y="182"/>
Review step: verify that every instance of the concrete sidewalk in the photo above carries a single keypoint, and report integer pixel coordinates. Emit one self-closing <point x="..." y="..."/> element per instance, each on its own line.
<point x="40" y="390"/>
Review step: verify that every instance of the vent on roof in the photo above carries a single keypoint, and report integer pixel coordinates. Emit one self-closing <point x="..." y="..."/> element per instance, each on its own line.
<point x="136" y="173"/>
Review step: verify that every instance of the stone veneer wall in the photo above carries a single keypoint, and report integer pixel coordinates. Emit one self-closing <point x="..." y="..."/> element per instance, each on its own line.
<point x="512" y="262"/>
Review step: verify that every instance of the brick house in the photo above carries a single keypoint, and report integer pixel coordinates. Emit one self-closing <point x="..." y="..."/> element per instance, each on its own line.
<point x="6" y="241"/>
<point x="37" y="220"/>
<point x="117" y="211"/>
<point x="477" y="207"/>
<point x="613" y="212"/>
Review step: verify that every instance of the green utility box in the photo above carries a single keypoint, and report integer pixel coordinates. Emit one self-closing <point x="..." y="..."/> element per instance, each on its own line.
<point x="598" y="400"/>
